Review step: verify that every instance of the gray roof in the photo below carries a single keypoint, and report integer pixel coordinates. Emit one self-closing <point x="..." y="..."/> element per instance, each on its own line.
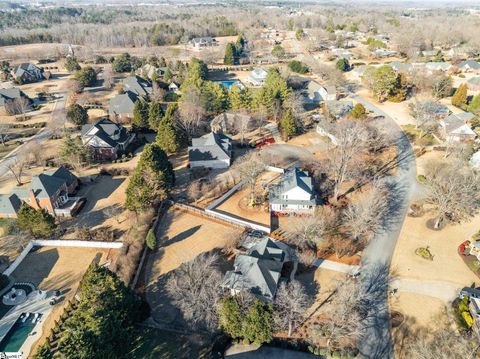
<point x="474" y="81"/>
<point x="469" y="63"/>
<point x="203" y="40"/>
<point x="455" y="121"/>
<point x="339" y="108"/>
<point x="213" y="146"/>
<point x="9" y="204"/>
<point x="258" y="271"/>
<point x="28" y="68"/>
<point x="123" y="104"/>
<point x="45" y="186"/>
<point x="401" y="66"/>
<point x="137" y="85"/>
<point x="107" y="131"/>
<point x="63" y="173"/>
<point x="10" y="94"/>
<point x="292" y="178"/>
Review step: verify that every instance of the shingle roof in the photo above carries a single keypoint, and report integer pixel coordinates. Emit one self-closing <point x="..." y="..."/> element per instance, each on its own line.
<point x="470" y="63"/>
<point x="45" y="186"/>
<point x="293" y="178"/>
<point x="213" y="146"/>
<point x="474" y="80"/>
<point x="123" y="104"/>
<point x="258" y="271"/>
<point x="10" y="94"/>
<point x="137" y="86"/>
<point x="108" y="131"/>
<point x="9" y="203"/>
<point x="63" y="173"/>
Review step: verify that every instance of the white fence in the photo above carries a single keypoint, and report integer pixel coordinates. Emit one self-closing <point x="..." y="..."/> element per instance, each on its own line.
<point x="57" y="243"/>
<point x="238" y="221"/>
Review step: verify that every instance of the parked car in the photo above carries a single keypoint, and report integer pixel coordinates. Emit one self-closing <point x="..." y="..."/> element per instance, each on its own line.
<point x="265" y="142"/>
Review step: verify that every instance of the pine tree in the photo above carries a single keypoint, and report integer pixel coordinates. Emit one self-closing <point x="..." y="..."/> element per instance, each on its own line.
<point x="167" y="136"/>
<point x="259" y="323"/>
<point x="459" y="99"/>
<point x="287" y="124"/>
<point x="140" y="114"/>
<point x="239" y="98"/>
<point x="474" y="106"/>
<point x="231" y="317"/>
<point x="155" y="114"/>
<point x="152" y="180"/>
<point x="358" y="111"/>
<point x="275" y="89"/>
<point x="77" y="115"/>
<point x="38" y="222"/>
<point x="230" y="54"/>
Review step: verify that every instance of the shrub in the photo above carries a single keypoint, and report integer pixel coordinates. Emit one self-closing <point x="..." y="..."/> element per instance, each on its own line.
<point x="468" y="318"/>
<point x="462" y="76"/>
<point x="298" y="67"/>
<point x="421" y="178"/>
<point x="7" y="226"/>
<point x="424" y="252"/>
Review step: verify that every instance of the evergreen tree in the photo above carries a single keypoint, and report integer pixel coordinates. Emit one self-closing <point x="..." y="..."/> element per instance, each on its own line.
<point x="343" y="65"/>
<point x="152" y="180"/>
<point x="287" y="124"/>
<point x="230" y="54"/>
<point x="155" y="114"/>
<point x="216" y="96"/>
<point x="460" y="96"/>
<point x="196" y="74"/>
<point x="151" y="239"/>
<point x="71" y="64"/>
<point x="299" y="34"/>
<point x="275" y="89"/>
<point x="259" y="323"/>
<point x="358" y="111"/>
<point x="167" y="136"/>
<point x="77" y="115"/>
<point x="240" y="44"/>
<point x="122" y="63"/>
<point x="38" y="222"/>
<point x="240" y="98"/>
<point x="73" y="152"/>
<point x="474" y="106"/>
<point x="231" y="317"/>
<point x="168" y="75"/>
<point x="278" y="52"/>
<point x="140" y="114"/>
<point x="87" y="76"/>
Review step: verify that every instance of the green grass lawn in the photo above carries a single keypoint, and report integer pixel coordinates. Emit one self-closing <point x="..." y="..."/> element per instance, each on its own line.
<point x="160" y="344"/>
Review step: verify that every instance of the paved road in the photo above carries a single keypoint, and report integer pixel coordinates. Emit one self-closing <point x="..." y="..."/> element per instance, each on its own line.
<point x="444" y="291"/>
<point x="43" y="135"/>
<point x="376" y="341"/>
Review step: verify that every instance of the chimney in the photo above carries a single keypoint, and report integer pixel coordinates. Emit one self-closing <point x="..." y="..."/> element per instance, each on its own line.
<point x="32" y="200"/>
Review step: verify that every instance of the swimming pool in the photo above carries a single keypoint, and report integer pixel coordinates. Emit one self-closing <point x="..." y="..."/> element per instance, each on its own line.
<point x="16" y="336"/>
<point x="229" y="83"/>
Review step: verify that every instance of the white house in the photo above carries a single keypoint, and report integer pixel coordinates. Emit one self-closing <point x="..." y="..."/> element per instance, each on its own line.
<point x="294" y="194"/>
<point x="456" y="129"/>
<point x="199" y="43"/>
<point x="173" y="87"/>
<point x="317" y="93"/>
<point x="257" y="77"/>
<point x="214" y="150"/>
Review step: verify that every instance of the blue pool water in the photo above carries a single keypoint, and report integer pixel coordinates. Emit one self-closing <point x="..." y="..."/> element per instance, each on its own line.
<point x="16" y="336"/>
<point x="229" y="83"/>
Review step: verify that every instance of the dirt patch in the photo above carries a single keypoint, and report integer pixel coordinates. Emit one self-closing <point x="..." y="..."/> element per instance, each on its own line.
<point x="57" y="268"/>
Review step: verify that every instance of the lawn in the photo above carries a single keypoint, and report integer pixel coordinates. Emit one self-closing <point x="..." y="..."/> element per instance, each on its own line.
<point x="160" y="344"/>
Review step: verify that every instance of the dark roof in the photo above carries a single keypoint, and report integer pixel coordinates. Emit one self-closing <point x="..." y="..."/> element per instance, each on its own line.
<point x="10" y="94"/>
<point x="123" y="104"/>
<point x="106" y="130"/>
<point x="213" y="146"/>
<point x="63" y="173"/>
<point x="258" y="271"/>
<point x="9" y="203"/>
<point x="137" y="86"/>
<point x="45" y="186"/>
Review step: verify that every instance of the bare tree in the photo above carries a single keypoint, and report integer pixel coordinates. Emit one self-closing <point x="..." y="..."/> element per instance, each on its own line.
<point x="19" y="106"/>
<point x="4" y="132"/>
<point x="365" y="216"/>
<point x="195" y="291"/>
<point x="192" y="112"/>
<point x="291" y="304"/>
<point x="351" y="138"/>
<point x="443" y="344"/>
<point x="241" y="125"/>
<point x="424" y="113"/>
<point x="157" y="92"/>
<point x="249" y="167"/>
<point x="35" y="150"/>
<point x="452" y="190"/>
<point x="107" y="76"/>
<point x="16" y="165"/>
<point x="308" y="231"/>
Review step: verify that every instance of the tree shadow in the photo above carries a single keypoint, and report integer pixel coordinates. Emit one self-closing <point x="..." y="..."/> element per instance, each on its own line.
<point x="165" y="241"/>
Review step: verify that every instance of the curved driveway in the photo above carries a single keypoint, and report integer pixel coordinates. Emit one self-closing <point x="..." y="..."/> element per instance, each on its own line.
<point x="376" y="341"/>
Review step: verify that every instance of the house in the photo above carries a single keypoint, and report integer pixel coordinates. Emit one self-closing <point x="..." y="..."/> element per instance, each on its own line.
<point x="294" y="193"/>
<point x="9" y="96"/>
<point x="258" y="270"/>
<point x="341" y="53"/>
<point x="50" y="190"/>
<point x="404" y="67"/>
<point x="106" y="139"/>
<point x="231" y="122"/>
<point x="138" y="86"/>
<point x="383" y="53"/>
<point x="213" y="150"/>
<point x="27" y="73"/>
<point x="456" y="129"/>
<point x="173" y="87"/>
<point x="257" y="77"/>
<point x="121" y="106"/>
<point x="475" y="160"/>
<point x="317" y="93"/>
<point x="338" y="108"/>
<point x="469" y="66"/>
<point x="469" y="292"/>
<point x="438" y="66"/>
<point x="199" y="43"/>
<point x="474" y="83"/>
<point x="429" y="53"/>
<point x="149" y="71"/>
